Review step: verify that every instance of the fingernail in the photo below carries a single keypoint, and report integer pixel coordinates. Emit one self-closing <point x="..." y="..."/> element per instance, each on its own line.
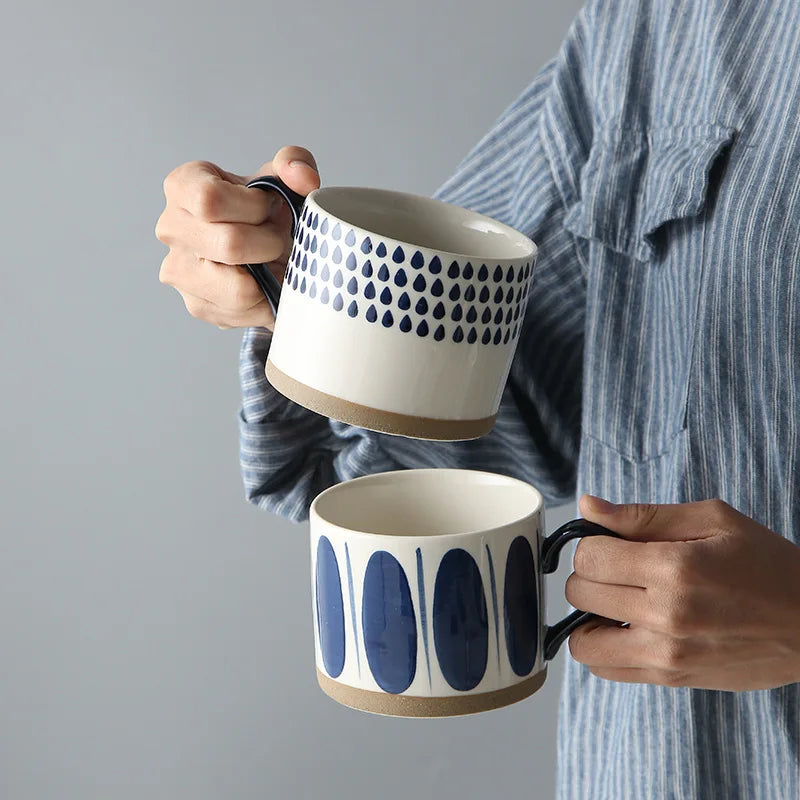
<point x="297" y="163"/>
<point x="600" y="506"/>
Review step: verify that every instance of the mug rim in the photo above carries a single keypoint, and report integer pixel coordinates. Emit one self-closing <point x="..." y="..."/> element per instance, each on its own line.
<point x="512" y="233"/>
<point x="410" y="474"/>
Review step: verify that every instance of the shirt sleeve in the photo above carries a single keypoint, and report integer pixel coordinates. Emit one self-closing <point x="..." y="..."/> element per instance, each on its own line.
<point x="514" y="174"/>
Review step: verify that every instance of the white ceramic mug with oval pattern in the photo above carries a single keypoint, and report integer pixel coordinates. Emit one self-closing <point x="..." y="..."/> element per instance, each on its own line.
<point x="397" y="313"/>
<point x="427" y="591"/>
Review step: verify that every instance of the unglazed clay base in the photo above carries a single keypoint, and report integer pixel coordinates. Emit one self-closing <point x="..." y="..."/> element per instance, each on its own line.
<point x="375" y="419"/>
<point x="400" y="705"/>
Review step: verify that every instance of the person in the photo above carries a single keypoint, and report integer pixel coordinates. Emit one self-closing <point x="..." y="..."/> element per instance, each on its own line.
<point x="656" y="162"/>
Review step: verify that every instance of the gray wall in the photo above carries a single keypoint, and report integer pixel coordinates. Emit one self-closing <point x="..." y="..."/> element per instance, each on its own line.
<point x="155" y="631"/>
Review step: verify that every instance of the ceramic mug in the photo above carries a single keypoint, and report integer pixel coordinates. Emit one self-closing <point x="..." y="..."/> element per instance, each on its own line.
<point x="427" y="591"/>
<point x="397" y="313"/>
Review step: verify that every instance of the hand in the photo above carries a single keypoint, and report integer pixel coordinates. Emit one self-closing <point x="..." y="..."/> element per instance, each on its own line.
<point x="712" y="598"/>
<point x="213" y="223"/>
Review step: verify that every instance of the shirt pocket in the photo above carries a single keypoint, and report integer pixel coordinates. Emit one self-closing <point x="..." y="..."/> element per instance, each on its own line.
<point x="642" y="208"/>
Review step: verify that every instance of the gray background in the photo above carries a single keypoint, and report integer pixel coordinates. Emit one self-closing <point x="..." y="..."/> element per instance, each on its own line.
<point x="155" y="630"/>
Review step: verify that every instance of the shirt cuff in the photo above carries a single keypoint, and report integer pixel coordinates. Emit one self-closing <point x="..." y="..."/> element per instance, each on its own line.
<point x="261" y="401"/>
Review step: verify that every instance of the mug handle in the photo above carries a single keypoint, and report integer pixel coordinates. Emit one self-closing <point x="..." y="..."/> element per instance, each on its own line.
<point x="555" y="635"/>
<point x="266" y="281"/>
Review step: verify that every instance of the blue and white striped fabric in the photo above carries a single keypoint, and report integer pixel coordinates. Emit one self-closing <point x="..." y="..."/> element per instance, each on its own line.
<point x="656" y="162"/>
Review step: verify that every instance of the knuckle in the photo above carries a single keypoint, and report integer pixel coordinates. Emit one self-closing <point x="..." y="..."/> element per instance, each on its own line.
<point x="577" y="644"/>
<point x="195" y="307"/>
<point x="174" y="179"/>
<point x="673" y="678"/>
<point x="570" y="590"/>
<point x="674" y="653"/>
<point x="201" y="166"/>
<point x="165" y="273"/>
<point x="678" y="619"/>
<point x="586" y="647"/>
<point x="718" y="506"/>
<point x="680" y="566"/>
<point x="584" y="559"/>
<point x="206" y="200"/>
<point x="719" y="512"/>
<point x="690" y="568"/>
<point x="168" y="183"/>
<point x="246" y="291"/>
<point x="230" y="244"/>
<point x="669" y="567"/>
<point x="242" y="296"/>
<point x="160" y="229"/>
<point x="193" y="167"/>
<point x="643" y="514"/>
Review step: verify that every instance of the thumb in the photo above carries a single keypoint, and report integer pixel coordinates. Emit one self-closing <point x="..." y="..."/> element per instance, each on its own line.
<point x="297" y="168"/>
<point x="667" y="522"/>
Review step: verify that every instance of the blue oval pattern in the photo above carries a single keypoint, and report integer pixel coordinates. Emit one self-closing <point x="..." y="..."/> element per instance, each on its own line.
<point x="460" y="620"/>
<point x="521" y="607"/>
<point x="389" y="624"/>
<point x="330" y="609"/>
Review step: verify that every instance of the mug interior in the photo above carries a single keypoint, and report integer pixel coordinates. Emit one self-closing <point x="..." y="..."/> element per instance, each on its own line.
<point x="427" y="502"/>
<point x="424" y="222"/>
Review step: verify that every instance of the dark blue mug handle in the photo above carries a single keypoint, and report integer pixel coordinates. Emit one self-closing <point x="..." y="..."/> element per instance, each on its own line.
<point x="266" y="281"/>
<point x="555" y="635"/>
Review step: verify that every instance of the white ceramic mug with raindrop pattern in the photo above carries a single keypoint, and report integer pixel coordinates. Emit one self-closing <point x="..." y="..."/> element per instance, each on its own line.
<point x="397" y="313"/>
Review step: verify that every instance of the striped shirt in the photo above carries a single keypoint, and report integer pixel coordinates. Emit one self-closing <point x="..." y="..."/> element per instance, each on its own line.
<point x="656" y="162"/>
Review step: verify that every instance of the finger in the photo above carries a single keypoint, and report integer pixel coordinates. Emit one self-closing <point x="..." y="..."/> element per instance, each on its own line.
<point x="606" y="643"/>
<point x="654" y="522"/>
<point x="605" y="559"/>
<point x="225" y="242"/>
<point x="603" y="643"/>
<point x="656" y="677"/>
<point x="734" y="678"/>
<point x="297" y="168"/>
<point x="258" y="316"/>
<point x="215" y="195"/>
<point x="621" y="603"/>
<point x="228" y="287"/>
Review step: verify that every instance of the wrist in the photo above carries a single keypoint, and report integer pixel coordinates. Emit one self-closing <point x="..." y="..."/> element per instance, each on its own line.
<point x="794" y="644"/>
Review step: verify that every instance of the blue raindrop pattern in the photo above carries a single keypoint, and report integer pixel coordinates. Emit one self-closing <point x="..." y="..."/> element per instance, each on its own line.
<point x="423" y="614"/>
<point x="464" y="302"/>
